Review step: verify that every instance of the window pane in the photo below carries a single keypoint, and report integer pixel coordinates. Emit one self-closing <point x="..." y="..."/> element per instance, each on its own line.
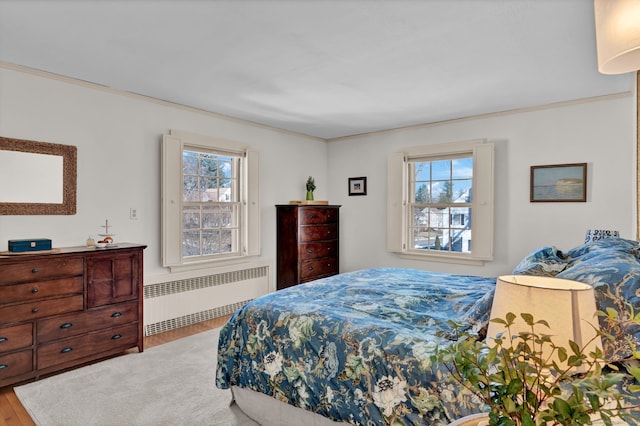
<point x="228" y="216"/>
<point x="441" y="191"/>
<point x="422" y="171"/>
<point x="462" y="191"/>
<point x="441" y="170"/>
<point x="225" y="168"/>
<point x="227" y="240"/>
<point x="190" y="162"/>
<point x="191" y="218"/>
<point x="191" y="243"/>
<point x="422" y="193"/>
<point x="208" y="165"/>
<point x="191" y="192"/>
<point x="462" y="168"/>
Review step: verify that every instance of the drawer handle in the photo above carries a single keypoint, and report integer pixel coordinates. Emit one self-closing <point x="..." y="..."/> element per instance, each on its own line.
<point x="310" y="234"/>
<point x="117" y="336"/>
<point x="35" y="310"/>
<point x="66" y="325"/>
<point x="310" y="268"/>
<point x="35" y="290"/>
<point x="3" y="366"/>
<point x="309" y="250"/>
<point x="328" y="264"/>
<point x="35" y="270"/>
<point x="66" y="350"/>
<point x="4" y="339"/>
<point x="116" y="314"/>
<point x="310" y="216"/>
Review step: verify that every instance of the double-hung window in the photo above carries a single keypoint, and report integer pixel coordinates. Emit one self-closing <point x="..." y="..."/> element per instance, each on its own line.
<point x="211" y="203"/>
<point x="440" y="202"/>
<point x="210" y="209"/>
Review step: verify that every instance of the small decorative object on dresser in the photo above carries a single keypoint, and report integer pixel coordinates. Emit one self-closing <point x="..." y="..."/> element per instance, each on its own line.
<point x="311" y="186"/>
<point x="307" y="247"/>
<point x="63" y="309"/>
<point x="36" y="244"/>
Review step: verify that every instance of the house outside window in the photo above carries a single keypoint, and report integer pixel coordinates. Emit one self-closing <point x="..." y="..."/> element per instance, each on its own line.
<point x="210" y="201"/>
<point x="440" y="202"/>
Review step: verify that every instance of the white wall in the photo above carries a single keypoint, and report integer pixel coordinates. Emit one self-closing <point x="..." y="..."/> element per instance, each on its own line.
<point x="599" y="132"/>
<point x="118" y="141"/>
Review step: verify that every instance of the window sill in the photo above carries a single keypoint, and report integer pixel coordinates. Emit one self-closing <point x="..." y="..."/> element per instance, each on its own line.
<point x="444" y="258"/>
<point x="210" y="263"/>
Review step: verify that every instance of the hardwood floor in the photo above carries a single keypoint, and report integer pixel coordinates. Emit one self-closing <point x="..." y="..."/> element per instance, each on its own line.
<point x="12" y="413"/>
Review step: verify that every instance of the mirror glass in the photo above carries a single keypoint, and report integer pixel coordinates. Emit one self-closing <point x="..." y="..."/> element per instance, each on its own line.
<point x="41" y="182"/>
<point x="41" y="177"/>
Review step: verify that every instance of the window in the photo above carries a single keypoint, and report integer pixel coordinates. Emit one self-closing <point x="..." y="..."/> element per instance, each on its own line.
<point x="440" y="202"/>
<point x="210" y="203"/>
<point x="210" y="209"/>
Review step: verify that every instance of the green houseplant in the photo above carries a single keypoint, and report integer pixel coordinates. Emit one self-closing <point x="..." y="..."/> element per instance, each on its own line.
<point x="311" y="186"/>
<point x="523" y="387"/>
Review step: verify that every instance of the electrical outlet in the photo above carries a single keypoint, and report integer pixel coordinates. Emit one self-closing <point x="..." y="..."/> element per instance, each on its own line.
<point x="133" y="214"/>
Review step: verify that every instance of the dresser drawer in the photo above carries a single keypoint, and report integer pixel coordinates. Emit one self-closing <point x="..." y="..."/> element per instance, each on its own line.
<point x="16" y="337"/>
<point x="111" y="340"/>
<point x="41" y="308"/>
<point x="40" y="289"/>
<point x="95" y="319"/>
<point x="15" y="364"/>
<point x="312" y="268"/>
<point x="41" y="270"/>
<point x="317" y="215"/>
<point x="316" y="250"/>
<point x="317" y="233"/>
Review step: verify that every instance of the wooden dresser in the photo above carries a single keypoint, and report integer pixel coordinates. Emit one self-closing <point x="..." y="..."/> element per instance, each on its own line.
<point x="307" y="247"/>
<point x="67" y="307"/>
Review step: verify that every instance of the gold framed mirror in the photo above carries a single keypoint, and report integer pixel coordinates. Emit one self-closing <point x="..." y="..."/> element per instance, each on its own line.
<point x="38" y="178"/>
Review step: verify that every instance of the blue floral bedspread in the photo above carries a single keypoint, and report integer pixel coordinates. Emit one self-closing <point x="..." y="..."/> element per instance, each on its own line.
<point x="356" y="347"/>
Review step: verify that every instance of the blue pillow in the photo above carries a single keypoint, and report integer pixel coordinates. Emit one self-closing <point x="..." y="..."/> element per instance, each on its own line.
<point x="546" y="261"/>
<point x="615" y="276"/>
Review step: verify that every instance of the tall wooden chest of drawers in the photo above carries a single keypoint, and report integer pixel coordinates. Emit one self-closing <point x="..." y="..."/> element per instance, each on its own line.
<point x="307" y="247"/>
<point x="63" y="308"/>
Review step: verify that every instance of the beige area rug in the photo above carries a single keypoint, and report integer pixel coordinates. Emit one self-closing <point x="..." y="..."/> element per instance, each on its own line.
<point x="170" y="384"/>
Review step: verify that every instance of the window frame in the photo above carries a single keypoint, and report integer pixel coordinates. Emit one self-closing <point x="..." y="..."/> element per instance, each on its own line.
<point x="235" y="204"/>
<point x="482" y="204"/>
<point x="173" y="146"/>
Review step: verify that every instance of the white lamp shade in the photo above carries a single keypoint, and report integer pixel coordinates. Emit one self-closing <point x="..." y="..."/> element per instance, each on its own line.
<point x="568" y="306"/>
<point x="617" y="35"/>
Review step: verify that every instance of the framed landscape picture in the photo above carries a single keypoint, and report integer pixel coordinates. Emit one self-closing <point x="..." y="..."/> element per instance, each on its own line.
<point x="559" y="182"/>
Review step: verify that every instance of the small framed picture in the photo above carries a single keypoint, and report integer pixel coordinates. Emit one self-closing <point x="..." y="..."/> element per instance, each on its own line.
<point x="559" y="182"/>
<point x="358" y="186"/>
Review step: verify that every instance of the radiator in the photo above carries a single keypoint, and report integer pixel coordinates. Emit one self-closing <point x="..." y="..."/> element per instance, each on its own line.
<point x="189" y="298"/>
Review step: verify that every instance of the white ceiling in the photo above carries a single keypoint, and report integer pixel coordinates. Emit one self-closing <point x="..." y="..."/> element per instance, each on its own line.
<point x="326" y="68"/>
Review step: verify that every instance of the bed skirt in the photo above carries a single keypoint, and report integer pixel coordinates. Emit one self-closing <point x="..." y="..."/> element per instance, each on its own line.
<point x="268" y="411"/>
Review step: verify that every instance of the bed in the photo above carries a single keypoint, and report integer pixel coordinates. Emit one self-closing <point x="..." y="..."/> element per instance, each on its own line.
<point x="356" y="347"/>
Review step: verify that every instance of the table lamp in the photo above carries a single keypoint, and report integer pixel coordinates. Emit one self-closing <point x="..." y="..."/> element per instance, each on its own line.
<point x="568" y="306"/>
